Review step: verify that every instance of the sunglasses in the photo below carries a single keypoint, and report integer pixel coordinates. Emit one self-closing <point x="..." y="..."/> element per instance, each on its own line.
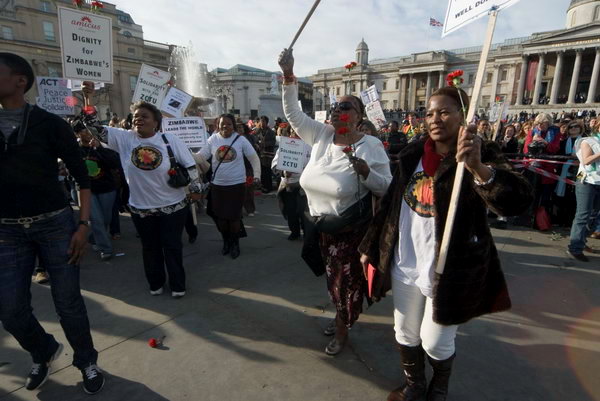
<point x="343" y="106"/>
<point x="573" y="126"/>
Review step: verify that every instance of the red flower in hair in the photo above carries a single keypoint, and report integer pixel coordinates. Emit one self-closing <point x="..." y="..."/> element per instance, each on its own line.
<point x="343" y="130"/>
<point x="344" y="117"/>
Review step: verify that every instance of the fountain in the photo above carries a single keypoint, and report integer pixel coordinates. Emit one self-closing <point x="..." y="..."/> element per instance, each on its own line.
<point x="192" y="78"/>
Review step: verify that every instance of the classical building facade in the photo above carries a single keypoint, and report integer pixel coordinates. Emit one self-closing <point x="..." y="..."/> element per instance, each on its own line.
<point x="547" y="71"/>
<point x="29" y="28"/>
<point x="239" y="88"/>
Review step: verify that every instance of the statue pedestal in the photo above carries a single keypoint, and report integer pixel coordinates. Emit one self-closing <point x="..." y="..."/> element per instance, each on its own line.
<point x="270" y="106"/>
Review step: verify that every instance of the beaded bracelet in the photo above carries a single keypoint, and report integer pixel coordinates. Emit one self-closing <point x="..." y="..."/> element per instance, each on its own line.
<point x="489" y="181"/>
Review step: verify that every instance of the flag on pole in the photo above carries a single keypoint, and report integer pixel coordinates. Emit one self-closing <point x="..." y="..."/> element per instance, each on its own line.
<point x="434" y="22"/>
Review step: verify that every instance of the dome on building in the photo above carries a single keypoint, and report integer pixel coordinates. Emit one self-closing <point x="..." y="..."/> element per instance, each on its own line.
<point x="362" y="45"/>
<point x="583" y="12"/>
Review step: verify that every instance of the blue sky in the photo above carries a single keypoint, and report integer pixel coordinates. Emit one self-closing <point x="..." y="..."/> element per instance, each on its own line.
<point x="253" y="32"/>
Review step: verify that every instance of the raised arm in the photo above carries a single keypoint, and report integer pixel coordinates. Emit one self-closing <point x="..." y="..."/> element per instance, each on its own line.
<point x="306" y="128"/>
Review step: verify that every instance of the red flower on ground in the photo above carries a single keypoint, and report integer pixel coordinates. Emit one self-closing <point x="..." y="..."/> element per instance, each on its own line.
<point x="344" y="117"/>
<point x="343" y="130"/>
<point x="153" y="343"/>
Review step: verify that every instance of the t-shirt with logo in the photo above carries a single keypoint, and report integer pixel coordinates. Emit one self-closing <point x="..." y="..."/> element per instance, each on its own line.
<point x="146" y="165"/>
<point x="231" y="171"/>
<point x="414" y="256"/>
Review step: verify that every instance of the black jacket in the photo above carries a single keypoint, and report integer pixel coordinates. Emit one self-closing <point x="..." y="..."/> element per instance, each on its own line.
<point x="29" y="172"/>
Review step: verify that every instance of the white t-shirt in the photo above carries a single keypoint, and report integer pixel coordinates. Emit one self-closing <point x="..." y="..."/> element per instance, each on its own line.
<point x="329" y="180"/>
<point x="146" y="164"/>
<point x="232" y="170"/>
<point x="414" y="257"/>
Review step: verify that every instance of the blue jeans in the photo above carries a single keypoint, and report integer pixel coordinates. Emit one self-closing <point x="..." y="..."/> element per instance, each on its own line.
<point x="588" y="199"/>
<point x="101" y="214"/>
<point x="49" y="239"/>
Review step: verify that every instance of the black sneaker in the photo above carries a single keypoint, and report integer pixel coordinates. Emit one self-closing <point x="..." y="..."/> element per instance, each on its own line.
<point x="578" y="256"/>
<point x="93" y="379"/>
<point x="40" y="371"/>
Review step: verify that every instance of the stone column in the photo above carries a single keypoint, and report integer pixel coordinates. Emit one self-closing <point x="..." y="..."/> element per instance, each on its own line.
<point x="441" y="80"/>
<point x="428" y="87"/>
<point x="399" y="91"/>
<point x="538" y="79"/>
<point x="575" y="77"/>
<point x="591" y="98"/>
<point x="522" y="77"/>
<point x="494" y="90"/>
<point x="557" y="77"/>
<point x="403" y="86"/>
<point x="411" y="92"/>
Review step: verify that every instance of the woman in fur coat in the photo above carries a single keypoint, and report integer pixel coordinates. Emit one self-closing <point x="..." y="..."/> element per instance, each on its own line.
<point x="403" y="242"/>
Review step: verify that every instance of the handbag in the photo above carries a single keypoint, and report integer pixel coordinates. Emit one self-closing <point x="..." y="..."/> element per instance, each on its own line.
<point x="358" y="213"/>
<point x="178" y="175"/>
<point x="311" y="250"/>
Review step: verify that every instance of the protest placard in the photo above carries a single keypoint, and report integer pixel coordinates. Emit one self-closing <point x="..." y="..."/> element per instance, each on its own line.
<point x="370" y="95"/>
<point x="54" y="96"/>
<point x="85" y="45"/>
<point x="175" y="102"/>
<point x="291" y="155"/>
<point x="76" y="84"/>
<point x="498" y="111"/>
<point x="375" y="114"/>
<point x="321" y="116"/>
<point x="332" y="98"/>
<point x="463" y="12"/>
<point x="152" y="85"/>
<point x="191" y="130"/>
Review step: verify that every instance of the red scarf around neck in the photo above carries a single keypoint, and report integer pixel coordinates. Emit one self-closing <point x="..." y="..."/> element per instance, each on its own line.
<point x="431" y="159"/>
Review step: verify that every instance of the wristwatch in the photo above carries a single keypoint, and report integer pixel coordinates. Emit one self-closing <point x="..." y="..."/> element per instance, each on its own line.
<point x="86" y="223"/>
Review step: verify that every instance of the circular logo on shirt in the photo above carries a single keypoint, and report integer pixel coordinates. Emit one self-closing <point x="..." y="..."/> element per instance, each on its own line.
<point x="419" y="194"/>
<point x="229" y="156"/>
<point x="146" y="157"/>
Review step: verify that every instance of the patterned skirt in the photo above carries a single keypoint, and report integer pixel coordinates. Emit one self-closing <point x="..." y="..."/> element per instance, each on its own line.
<point x="346" y="283"/>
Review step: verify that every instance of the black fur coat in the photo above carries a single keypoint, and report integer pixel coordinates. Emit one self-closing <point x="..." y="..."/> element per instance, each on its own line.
<point x="473" y="283"/>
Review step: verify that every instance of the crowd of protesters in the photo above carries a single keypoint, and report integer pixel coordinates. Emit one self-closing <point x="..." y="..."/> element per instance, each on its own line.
<point x="367" y="198"/>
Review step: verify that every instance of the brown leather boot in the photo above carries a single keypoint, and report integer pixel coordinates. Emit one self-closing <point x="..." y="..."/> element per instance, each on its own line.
<point x="413" y="362"/>
<point x="438" y="387"/>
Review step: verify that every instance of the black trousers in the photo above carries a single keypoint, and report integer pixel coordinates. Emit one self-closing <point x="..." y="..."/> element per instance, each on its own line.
<point x="293" y="208"/>
<point x="266" y="178"/>
<point x="190" y="227"/>
<point x="162" y="247"/>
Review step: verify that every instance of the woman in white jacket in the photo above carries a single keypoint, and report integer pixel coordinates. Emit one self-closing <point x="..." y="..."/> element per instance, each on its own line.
<point x="345" y="169"/>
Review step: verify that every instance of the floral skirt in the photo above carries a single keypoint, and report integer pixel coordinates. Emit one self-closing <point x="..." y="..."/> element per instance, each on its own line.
<point x="346" y="283"/>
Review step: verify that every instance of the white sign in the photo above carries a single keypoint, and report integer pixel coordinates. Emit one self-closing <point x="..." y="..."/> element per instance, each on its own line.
<point x="76" y="85"/>
<point x="191" y="130"/>
<point x="370" y="95"/>
<point x="151" y="85"/>
<point x="85" y="45"/>
<point x="462" y="12"/>
<point x="291" y="155"/>
<point x="498" y="111"/>
<point x="375" y="114"/>
<point x="176" y="102"/>
<point x="321" y="116"/>
<point x="55" y="96"/>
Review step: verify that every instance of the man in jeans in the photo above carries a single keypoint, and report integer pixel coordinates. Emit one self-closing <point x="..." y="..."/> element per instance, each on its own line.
<point x="36" y="219"/>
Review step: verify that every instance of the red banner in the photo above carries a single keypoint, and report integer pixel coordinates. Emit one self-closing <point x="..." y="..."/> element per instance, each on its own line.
<point x="531" y="72"/>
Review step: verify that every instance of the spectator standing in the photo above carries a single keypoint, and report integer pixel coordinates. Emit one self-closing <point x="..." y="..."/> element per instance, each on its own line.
<point x="266" y="144"/>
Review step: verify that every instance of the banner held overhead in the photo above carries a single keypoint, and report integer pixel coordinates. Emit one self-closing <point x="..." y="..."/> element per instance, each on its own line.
<point x="85" y="45"/>
<point x="462" y="12"/>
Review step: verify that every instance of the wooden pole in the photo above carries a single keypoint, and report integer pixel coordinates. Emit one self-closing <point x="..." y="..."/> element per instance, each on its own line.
<point x="460" y="168"/>
<point x="310" y="13"/>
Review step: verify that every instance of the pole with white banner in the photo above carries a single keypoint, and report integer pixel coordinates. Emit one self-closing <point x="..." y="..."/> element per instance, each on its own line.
<point x="460" y="13"/>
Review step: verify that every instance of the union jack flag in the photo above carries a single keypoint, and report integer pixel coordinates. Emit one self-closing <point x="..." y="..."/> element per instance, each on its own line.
<point x="434" y="22"/>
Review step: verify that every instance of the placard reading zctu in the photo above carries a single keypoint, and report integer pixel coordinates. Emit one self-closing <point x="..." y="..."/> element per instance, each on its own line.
<point x="152" y="85"/>
<point x="291" y="155"/>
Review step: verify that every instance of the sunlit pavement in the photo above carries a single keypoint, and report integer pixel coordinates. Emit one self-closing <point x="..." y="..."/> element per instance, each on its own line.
<point x="251" y="329"/>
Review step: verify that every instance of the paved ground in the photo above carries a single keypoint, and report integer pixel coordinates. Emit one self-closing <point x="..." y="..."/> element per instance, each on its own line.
<point x="250" y="329"/>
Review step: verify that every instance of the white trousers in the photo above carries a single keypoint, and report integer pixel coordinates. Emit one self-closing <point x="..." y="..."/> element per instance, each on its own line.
<point x="414" y="325"/>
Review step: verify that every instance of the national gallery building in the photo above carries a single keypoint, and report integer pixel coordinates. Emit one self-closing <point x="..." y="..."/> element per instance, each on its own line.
<point x="547" y="71"/>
